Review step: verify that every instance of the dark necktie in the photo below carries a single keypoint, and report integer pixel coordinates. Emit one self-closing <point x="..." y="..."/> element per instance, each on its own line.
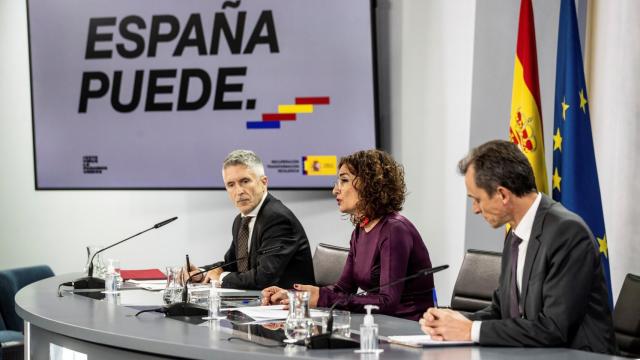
<point x="242" y="247"/>
<point x="514" y="298"/>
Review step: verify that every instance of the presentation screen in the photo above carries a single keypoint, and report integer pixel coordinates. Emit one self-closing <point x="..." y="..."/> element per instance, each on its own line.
<point x="153" y="94"/>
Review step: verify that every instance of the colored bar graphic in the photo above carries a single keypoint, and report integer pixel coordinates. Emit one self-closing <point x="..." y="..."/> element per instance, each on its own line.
<point x="306" y="108"/>
<point x="263" y="124"/>
<point x="278" y="117"/>
<point x="319" y="100"/>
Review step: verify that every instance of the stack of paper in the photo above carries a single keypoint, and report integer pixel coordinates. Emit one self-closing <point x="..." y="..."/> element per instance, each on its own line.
<point x="272" y="312"/>
<point x="152" y="285"/>
<point x="424" y="341"/>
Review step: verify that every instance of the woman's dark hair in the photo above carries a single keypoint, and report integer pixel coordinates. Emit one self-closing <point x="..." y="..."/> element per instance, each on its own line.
<point x="379" y="181"/>
<point x="500" y="163"/>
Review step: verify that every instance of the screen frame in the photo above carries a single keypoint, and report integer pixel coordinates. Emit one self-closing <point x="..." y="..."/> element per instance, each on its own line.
<point x="376" y="125"/>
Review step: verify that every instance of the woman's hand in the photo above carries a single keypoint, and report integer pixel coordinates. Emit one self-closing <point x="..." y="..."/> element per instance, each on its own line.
<point x="274" y="295"/>
<point x="314" y="293"/>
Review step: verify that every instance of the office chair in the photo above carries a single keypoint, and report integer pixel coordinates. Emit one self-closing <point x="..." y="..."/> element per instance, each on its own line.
<point x="626" y="317"/>
<point x="328" y="262"/>
<point x="478" y="278"/>
<point x="11" y="326"/>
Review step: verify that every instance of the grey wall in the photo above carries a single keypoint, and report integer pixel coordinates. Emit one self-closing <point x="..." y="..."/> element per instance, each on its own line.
<point x="445" y="78"/>
<point x="496" y="25"/>
<point x="426" y="57"/>
<point x="426" y="54"/>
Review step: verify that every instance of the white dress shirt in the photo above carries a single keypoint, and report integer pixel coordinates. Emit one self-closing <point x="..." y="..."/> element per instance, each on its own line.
<point x="523" y="231"/>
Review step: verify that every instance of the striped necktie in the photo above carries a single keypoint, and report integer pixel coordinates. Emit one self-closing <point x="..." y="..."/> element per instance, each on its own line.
<point x="514" y="297"/>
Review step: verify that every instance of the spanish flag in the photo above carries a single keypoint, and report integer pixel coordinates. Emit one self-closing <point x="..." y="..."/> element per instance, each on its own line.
<point x="525" y="128"/>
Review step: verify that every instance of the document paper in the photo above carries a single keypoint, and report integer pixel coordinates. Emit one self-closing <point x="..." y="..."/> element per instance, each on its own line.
<point x="424" y="341"/>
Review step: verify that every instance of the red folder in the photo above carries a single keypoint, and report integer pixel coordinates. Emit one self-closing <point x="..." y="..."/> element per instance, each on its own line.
<point x="145" y="274"/>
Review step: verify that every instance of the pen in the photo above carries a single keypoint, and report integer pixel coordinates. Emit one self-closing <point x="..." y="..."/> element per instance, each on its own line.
<point x="188" y="266"/>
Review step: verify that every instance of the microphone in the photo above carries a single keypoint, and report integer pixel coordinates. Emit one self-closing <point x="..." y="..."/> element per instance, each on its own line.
<point x="90" y="282"/>
<point x="328" y="341"/>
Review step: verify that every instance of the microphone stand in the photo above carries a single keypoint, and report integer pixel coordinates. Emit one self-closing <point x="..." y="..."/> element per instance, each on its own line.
<point x="90" y="282"/>
<point x="327" y="340"/>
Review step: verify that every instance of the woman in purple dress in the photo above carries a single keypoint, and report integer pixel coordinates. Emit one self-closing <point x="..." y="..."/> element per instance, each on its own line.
<point x="384" y="246"/>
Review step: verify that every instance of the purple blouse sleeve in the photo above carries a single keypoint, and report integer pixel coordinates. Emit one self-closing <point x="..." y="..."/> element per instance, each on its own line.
<point x="395" y="246"/>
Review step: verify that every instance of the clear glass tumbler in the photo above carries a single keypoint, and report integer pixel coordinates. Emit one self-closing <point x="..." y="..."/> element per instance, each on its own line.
<point x="173" y="290"/>
<point x="341" y="323"/>
<point x="299" y="323"/>
<point x="99" y="270"/>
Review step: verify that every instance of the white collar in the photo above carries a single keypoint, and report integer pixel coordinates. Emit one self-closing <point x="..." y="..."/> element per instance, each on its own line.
<point x="256" y="210"/>
<point x="523" y="230"/>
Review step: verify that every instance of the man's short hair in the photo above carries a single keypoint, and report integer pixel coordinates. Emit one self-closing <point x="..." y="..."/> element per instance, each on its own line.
<point x="500" y="163"/>
<point x="246" y="158"/>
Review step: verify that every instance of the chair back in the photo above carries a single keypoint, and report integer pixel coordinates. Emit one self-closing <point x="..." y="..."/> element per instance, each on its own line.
<point x="11" y="281"/>
<point x="328" y="263"/>
<point x="626" y="317"/>
<point x="478" y="278"/>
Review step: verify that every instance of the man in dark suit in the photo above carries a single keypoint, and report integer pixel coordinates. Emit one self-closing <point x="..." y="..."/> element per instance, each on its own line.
<point x="552" y="291"/>
<point x="266" y="233"/>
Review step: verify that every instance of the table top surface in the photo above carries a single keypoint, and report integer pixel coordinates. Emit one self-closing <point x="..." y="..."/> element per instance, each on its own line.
<point x="114" y="325"/>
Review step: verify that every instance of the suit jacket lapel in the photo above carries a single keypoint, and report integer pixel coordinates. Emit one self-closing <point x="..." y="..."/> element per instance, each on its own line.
<point x="533" y="247"/>
<point x="257" y="225"/>
<point x="254" y="245"/>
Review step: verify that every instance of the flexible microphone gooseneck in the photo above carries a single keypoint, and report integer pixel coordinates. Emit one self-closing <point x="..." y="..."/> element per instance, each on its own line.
<point x="327" y="340"/>
<point x="90" y="282"/>
<point x="222" y="263"/>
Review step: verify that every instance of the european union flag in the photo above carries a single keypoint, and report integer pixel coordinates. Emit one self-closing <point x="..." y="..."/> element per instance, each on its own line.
<point x="575" y="176"/>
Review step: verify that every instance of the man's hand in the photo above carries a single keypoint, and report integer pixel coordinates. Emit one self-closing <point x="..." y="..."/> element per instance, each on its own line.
<point x="184" y="274"/>
<point x="274" y="295"/>
<point x="274" y="325"/>
<point x="445" y="324"/>
<point x="314" y="293"/>
<point x="213" y="275"/>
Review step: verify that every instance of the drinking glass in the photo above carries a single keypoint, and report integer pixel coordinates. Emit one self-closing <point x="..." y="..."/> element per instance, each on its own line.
<point x="113" y="267"/>
<point x="299" y="323"/>
<point x="99" y="269"/>
<point x="341" y="323"/>
<point x="112" y="276"/>
<point x="173" y="290"/>
<point x="215" y="304"/>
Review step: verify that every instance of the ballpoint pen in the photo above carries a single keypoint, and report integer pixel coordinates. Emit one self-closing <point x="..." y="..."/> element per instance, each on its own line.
<point x="188" y="270"/>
